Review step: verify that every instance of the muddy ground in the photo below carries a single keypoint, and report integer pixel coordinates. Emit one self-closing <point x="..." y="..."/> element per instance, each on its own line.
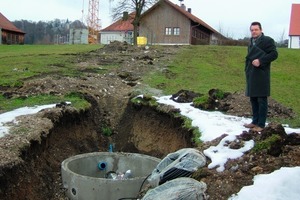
<point x="31" y="156"/>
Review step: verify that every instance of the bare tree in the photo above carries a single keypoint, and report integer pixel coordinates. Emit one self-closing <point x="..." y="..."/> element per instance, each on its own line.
<point x="282" y="38"/>
<point x="220" y="29"/>
<point x="137" y="6"/>
<point x="227" y="34"/>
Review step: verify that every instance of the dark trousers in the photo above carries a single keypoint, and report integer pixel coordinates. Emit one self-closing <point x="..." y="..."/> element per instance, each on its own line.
<point x="259" y="110"/>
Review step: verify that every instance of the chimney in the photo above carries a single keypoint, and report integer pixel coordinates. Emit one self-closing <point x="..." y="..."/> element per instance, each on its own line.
<point x="183" y="6"/>
<point x="125" y="16"/>
<point x="189" y="10"/>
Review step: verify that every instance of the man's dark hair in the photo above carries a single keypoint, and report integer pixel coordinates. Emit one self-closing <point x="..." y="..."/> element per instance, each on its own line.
<point x="256" y="23"/>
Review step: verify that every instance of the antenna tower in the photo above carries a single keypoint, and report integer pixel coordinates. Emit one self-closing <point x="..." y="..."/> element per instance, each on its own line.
<point x="93" y="21"/>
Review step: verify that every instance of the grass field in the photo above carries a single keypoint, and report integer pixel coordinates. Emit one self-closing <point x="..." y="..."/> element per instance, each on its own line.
<point x="197" y="68"/>
<point x="17" y="59"/>
<point x="19" y="62"/>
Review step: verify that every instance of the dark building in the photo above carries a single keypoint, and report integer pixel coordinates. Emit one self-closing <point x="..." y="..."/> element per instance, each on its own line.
<point x="9" y="33"/>
<point x="168" y="23"/>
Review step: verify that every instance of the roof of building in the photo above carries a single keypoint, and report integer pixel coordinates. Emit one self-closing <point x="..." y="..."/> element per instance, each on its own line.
<point x="121" y="24"/>
<point x="7" y="25"/>
<point x="184" y="12"/>
<point x="295" y="20"/>
<point x="77" y="24"/>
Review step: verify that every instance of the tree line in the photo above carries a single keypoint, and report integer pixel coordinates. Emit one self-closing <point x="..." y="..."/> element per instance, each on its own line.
<point x="50" y="32"/>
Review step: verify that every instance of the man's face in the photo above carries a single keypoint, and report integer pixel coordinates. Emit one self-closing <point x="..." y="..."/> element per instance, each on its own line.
<point x="255" y="31"/>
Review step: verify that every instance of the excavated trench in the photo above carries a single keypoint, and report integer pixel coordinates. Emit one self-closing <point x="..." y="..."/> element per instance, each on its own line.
<point x="135" y="129"/>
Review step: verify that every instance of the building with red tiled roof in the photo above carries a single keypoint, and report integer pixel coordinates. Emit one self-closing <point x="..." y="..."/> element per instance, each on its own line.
<point x="168" y="23"/>
<point x="294" y="33"/>
<point x="9" y="33"/>
<point x="121" y="30"/>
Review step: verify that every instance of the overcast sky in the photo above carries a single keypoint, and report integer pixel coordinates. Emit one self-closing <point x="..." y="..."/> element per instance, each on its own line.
<point x="231" y="17"/>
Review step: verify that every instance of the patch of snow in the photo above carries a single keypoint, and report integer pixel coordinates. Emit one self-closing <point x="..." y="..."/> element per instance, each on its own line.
<point x="210" y="124"/>
<point x="221" y="153"/>
<point x="10" y="116"/>
<point x="282" y="184"/>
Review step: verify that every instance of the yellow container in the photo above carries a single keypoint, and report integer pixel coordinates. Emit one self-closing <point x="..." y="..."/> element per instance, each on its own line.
<point x="141" y="40"/>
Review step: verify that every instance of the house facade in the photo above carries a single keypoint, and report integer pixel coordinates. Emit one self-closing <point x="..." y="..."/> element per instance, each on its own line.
<point x="79" y="33"/>
<point x="294" y="32"/>
<point x="121" y="30"/>
<point x="9" y="33"/>
<point x="168" y="24"/>
<point x="78" y="36"/>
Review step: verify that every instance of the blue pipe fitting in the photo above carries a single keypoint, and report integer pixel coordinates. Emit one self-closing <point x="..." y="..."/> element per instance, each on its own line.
<point x="110" y="149"/>
<point x="102" y="165"/>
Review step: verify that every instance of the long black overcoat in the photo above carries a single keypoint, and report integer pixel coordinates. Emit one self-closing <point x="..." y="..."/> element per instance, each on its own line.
<point x="258" y="78"/>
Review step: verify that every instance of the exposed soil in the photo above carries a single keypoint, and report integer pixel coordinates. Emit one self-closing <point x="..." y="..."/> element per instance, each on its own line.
<point x="30" y="157"/>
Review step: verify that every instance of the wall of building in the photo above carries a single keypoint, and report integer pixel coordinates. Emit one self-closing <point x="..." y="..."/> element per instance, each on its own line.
<point x="0" y="36"/>
<point x="294" y="42"/>
<point x="9" y="37"/>
<point x="78" y="36"/>
<point x="153" y="26"/>
<point x="199" y="36"/>
<point x="110" y="36"/>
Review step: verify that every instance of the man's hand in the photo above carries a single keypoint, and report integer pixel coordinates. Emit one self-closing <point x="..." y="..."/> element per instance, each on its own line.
<point x="256" y="63"/>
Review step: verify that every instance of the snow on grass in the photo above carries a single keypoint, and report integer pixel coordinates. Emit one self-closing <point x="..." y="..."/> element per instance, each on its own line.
<point x="10" y="116"/>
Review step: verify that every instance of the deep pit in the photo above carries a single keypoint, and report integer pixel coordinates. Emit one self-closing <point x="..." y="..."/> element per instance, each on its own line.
<point x="140" y="130"/>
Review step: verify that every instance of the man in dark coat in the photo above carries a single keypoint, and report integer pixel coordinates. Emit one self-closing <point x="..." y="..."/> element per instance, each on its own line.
<point x="261" y="52"/>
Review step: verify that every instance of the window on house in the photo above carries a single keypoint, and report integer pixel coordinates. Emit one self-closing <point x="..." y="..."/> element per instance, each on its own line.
<point x="176" y="31"/>
<point x="8" y="38"/>
<point x="168" y="31"/>
<point x="194" y="33"/>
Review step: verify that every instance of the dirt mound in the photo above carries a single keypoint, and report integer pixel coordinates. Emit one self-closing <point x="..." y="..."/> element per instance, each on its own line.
<point x="238" y="104"/>
<point x="231" y="103"/>
<point x="117" y="46"/>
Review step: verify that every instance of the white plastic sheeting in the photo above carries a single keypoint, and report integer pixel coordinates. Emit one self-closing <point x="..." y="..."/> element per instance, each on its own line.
<point x="178" y="189"/>
<point x="181" y="163"/>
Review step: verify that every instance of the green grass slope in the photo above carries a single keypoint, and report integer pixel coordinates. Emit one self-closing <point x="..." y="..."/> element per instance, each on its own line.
<point x="201" y="68"/>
